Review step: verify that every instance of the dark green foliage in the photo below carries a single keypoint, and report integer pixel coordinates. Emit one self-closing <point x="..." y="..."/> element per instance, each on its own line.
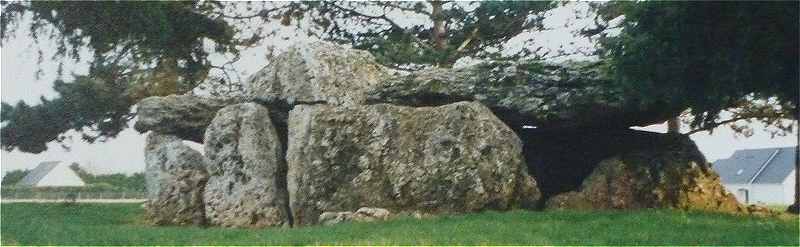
<point x="94" y="183"/>
<point x="471" y="28"/>
<point x="708" y="56"/>
<point x="13" y="177"/>
<point x="24" y="192"/>
<point x="142" y="31"/>
<point x="711" y="57"/>
<point x="121" y="224"/>
<point x="94" y="107"/>
<point x="134" y="182"/>
<point x="139" y="49"/>
<point x="103" y="182"/>
<point x="116" y="181"/>
<point x="143" y="48"/>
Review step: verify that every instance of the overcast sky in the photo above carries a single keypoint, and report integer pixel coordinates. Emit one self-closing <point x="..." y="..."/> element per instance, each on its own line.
<point x="125" y="153"/>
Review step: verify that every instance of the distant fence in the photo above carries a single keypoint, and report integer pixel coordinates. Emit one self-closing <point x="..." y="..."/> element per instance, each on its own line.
<point x="51" y="195"/>
<point x="68" y="193"/>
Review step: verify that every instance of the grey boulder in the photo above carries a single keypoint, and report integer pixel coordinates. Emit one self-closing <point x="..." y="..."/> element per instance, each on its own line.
<point x="364" y="214"/>
<point x="671" y="174"/>
<point x="452" y="158"/>
<point x="184" y="116"/>
<point x="318" y="72"/>
<point x="175" y="178"/>
<point x="542" y="94"/>
<point x="247" y="185"/>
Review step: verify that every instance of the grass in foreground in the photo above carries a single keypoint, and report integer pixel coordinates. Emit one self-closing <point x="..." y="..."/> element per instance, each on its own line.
<point x="120" y="224"/>
<point x="777" y="207"/>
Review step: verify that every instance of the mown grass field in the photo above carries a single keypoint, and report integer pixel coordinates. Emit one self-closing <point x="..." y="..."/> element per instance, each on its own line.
<point x="121" y="224"/>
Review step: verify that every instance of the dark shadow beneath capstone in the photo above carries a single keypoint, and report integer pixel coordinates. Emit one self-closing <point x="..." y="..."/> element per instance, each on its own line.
<point x="560" y="159"/>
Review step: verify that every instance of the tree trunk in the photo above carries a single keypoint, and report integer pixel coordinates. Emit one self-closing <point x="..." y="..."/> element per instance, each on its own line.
<point x="795" y="208"/>
<point x="439" y="32"/>
<point x="674" y="125"/>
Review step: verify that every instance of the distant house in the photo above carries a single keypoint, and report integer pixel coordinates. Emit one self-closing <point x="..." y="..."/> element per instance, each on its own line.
<point x="765" y="176"/>
<point x="51" y="173"/>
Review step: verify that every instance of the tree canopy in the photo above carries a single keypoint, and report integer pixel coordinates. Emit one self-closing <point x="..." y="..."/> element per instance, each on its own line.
<point x="139" y="49"/>
<point x="709" y="56"/>
<point x="13" y="177"/>
<point x="704" y="56"/>
<point x="455" y="29"/>
<point x="405" y="35"/>
<point x="138" y="35"/>
<point x="143" y="49"/>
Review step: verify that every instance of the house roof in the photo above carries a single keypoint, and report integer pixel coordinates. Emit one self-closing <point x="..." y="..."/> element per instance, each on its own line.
<point x="35" y="175"/>
<point x="761" y="166"/>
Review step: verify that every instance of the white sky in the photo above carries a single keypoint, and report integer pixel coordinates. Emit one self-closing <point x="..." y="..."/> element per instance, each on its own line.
<point x="125" y="153"/>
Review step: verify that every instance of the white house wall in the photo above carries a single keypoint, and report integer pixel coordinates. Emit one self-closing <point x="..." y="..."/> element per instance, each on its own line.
<point x="61" y="175"/>
<point x="788" y="188"/>
<point x="762" y="193"/>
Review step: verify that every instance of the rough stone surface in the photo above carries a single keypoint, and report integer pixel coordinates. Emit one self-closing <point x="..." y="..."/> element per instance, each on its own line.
<point x="672" y="175"/>
<point x="366" y="214"/>
<point x="332" y="218"/>
<point x="757" y="210"/>
<point x="526" y="93"/>
<point x="363" y="214"/>
<point x="452" y="158"/>
<point x="247" y="186"/>
<point x="185" y="116"/>
<point x="175" y="177"/>
<point x="318" y="72"/>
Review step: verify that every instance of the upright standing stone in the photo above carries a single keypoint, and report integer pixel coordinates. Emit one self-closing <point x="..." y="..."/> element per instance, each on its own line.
<point x="453" y="158"/>
<point x="175" y="178"/>
<point x="247" y="187"/>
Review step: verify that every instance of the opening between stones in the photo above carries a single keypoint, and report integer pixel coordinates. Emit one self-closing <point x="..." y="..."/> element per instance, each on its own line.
<point x="560" y="159"/>
<point x="280" y="117"/>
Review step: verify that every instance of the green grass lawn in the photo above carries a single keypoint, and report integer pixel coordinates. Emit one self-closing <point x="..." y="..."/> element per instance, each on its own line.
<point x="121" y="224"/>
<point x="777" y="207"/>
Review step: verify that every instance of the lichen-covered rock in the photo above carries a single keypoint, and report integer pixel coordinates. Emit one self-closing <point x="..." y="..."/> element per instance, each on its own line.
<point x="318" y="72"/>
<point x="526" y="93"/>
<point x="364" y="214"/>
<point x="175" y="178"/>
<point x="247" y="185"/>
<point x="452" y="158"/>
<point x="673" y="174"/>
<point x="185" y="116"/>
<point x="332" y="218"/>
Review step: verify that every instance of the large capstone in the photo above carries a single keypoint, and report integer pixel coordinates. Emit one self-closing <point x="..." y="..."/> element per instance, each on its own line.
<point x="247" y="184"/>
<point x="536" y="93"/>
<point x="185" y="116"/>
<point x="453" y="158"/>
<point x="175" y="178"/>
<point x="672" y="173"/>
<point x="318" y="72"/>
